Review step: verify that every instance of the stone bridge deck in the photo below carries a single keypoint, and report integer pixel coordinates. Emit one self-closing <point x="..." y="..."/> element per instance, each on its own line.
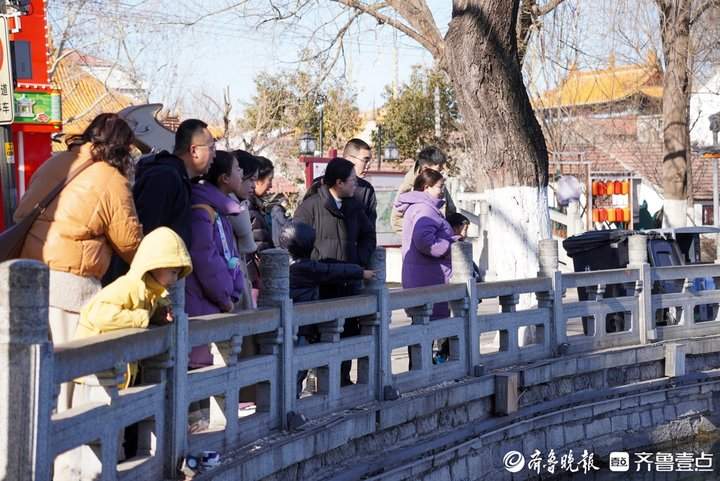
<point x="523" y="374"/>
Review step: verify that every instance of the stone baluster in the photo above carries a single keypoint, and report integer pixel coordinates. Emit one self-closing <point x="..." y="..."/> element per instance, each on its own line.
<point x="26" y="375"/>
<point x="484" y="214"/>
<point x="379" y="326"/>
<point x="275" y="292"/>
<point x="509" y="338"/>
<point x="548" y="267"/>
<point x="638" y="259"/>
<point x="461" y="254"/>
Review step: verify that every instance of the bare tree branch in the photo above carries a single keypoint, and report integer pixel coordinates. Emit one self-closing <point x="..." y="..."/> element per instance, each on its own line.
<point x="528" y="21"/>
<point x="547" y="8"/>
<point x="206" y="15"/>
<point x="374" y="11"/>
<point x="704" y="7"/>
<point x="418" y="14"/>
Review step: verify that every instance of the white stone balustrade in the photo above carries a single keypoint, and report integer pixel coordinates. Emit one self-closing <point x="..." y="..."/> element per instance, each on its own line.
<point x="168" y="392"/>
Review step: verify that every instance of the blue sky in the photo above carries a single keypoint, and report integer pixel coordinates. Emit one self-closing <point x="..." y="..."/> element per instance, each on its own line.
<point x="230" y="49"/>
<point x="187" y="64"/>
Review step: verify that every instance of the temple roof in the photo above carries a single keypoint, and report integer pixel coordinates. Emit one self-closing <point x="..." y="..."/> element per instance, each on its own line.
<point x="612" y="84"/>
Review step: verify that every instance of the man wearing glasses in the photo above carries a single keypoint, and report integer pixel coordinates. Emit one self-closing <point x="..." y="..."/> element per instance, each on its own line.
<point x="359" y="153"/>
<point x="163" y="181"/>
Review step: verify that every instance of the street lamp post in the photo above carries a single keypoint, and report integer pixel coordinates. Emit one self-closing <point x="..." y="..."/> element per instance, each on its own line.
<point x="307" y="144"/>
<point x="391" y="152"/>
<point x="387" y="152"/>
<point x="320" y="102"/>
<point x="379" y="140"/>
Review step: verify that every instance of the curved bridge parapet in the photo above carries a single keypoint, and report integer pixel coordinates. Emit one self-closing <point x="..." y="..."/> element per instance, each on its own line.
<point x="545" y="363"/>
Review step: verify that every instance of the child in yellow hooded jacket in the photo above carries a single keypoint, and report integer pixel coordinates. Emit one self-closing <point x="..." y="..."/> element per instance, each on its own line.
<point x="140" y="297"/>
<point x="134" y="300"/>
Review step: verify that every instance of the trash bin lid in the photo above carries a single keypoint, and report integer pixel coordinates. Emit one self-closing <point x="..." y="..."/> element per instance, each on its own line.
<point x="594" y="239"/>
<point x="690" y="230"/>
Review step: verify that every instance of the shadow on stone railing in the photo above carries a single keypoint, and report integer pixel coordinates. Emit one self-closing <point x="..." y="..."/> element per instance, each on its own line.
<point x="250" y="391"/>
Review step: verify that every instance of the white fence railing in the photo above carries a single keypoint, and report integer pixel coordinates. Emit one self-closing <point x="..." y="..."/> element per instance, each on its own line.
<point x="250" y="391"/>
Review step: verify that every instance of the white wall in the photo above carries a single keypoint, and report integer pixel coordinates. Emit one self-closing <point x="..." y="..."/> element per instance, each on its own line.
<point x="704" y="101"/>
<point x="646" y="191"/>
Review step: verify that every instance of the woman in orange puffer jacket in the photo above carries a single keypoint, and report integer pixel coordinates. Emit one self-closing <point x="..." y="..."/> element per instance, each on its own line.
<point x="90" y="219"/>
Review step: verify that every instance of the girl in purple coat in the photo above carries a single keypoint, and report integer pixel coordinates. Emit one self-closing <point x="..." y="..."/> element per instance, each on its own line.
<point x="217" y="281"/>
<point x="426" y="236"/>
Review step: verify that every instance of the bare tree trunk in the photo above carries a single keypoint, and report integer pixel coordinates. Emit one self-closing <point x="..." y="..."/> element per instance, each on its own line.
<point x="506" y="139"/>
<point x="675" y="31"/>
<point x="483" y="65"/>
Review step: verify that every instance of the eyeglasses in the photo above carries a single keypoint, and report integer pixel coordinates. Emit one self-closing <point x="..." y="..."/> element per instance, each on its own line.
<point x="209" y="146"/>
<point x="364" y="160"/>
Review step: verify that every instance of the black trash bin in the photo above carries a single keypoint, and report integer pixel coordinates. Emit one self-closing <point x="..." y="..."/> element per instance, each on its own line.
<point x="681" y="246"/>
<point x="599" y="250"/>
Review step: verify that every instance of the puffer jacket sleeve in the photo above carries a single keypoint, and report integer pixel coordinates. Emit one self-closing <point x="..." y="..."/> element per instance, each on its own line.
<point x="260" y="228"/>
<point x="305" y="212"/>
<point x="426" y="237"/>
<point x="120" y="220"/>
<point x="209" y="266"/>
<point x="396" y="218"/>
<point x="367" y="240"/>
<point x="323" y="272"/>
<point x="371" y="207"/>
<point x="116" y="307"/>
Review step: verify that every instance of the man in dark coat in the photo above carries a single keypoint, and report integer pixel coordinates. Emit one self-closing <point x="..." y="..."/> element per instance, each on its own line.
<point x="343" y="233"/>
<point x="359" y="153"/>
<point x="163" y="183"/>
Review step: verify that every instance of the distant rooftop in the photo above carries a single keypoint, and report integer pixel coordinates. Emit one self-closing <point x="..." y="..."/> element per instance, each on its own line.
<point x="612" y="84"/>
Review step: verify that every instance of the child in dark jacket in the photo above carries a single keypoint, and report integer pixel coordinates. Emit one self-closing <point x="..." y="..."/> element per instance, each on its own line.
<point x="460" y="224"/>
<point x="307" y="275"/>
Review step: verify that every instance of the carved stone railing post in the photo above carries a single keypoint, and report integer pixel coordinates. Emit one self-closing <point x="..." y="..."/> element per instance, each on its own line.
<point x="461" y="254"/>
<point x="379" y="326"/>
<point x="26" y="374"/>
<point x="275" y="292"/>
<point x="483" y="234"/>
<point x="176" y="401"/>
<point x="548" y="267"/>
<point x="638" y="259"/>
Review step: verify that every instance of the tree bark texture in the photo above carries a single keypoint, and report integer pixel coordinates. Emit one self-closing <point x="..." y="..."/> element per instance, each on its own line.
<point x="675" y="32"/>
<point x="481" y="59"/>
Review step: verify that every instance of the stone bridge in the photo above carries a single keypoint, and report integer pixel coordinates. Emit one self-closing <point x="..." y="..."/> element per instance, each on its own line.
<point x="531" y="367"/>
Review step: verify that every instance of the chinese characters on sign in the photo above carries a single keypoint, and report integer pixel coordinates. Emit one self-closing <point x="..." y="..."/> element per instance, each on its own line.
<point x="619" y="461"/>
<point x="7" y="112"/>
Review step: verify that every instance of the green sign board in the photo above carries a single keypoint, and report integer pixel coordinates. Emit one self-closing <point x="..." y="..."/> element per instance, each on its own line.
<point x="37" y="107"/>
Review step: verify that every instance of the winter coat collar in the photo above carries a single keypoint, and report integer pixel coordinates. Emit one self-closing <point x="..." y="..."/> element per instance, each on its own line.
<point x="329" y="201"/>
<point x="207" y="193"/>
<point x="162" y="159"/>
<point x="404" y="201"/>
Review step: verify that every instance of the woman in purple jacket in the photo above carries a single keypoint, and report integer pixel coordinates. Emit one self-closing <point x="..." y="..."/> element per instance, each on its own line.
<point x="217" y="281"/>
<point x="426" y="236"/>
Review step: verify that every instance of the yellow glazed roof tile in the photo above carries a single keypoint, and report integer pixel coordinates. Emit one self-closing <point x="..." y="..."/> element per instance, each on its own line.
<point x="603" y="86"/>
